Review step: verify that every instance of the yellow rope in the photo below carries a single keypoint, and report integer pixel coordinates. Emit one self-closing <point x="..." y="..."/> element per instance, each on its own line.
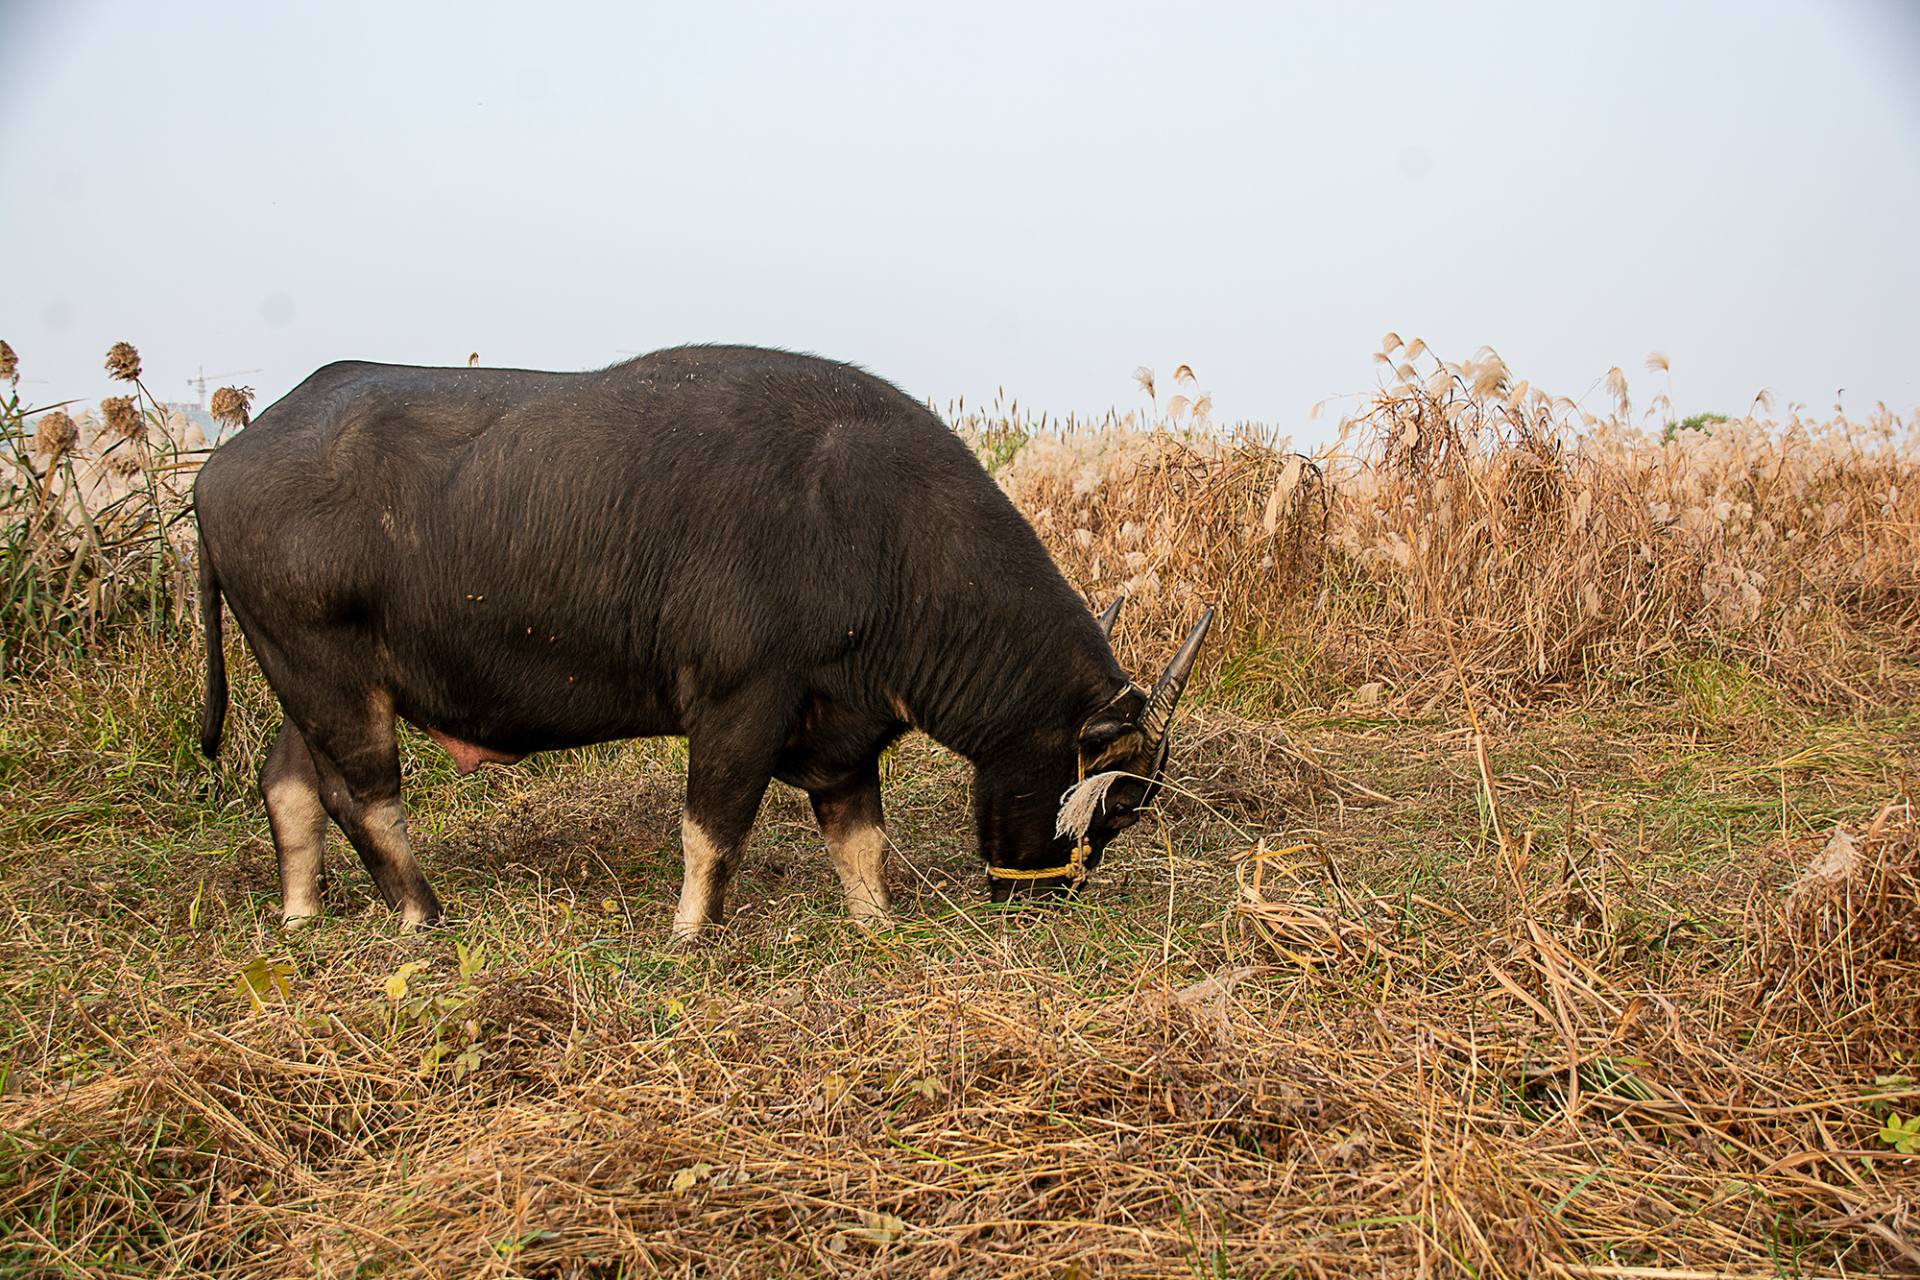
<point x="1077" y="868"/>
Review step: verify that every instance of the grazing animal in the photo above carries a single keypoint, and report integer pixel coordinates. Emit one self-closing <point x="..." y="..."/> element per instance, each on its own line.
<point x="783" y="558"/>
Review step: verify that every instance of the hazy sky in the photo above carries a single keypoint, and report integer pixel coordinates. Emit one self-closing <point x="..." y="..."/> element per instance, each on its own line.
<point x="974" y="195"/>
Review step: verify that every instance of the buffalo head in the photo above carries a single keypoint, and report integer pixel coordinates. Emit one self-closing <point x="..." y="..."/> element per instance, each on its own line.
<point x="1046" y="816"/>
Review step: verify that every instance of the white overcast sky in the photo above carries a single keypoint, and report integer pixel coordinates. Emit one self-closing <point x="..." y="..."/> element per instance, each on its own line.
<point x="968" y="196"/>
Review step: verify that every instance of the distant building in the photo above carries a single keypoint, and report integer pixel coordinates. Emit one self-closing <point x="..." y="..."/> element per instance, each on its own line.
<point x="197" y="414"/>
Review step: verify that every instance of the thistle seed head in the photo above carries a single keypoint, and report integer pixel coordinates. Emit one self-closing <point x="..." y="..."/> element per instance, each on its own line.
<point x="54" y="435"/>
<point x="123" y="361"/>
<point x="122" y="419"/>
<point x="230" y="406"/>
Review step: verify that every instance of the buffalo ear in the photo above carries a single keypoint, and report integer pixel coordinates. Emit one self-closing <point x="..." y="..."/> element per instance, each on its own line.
<point x="1100" y="733"/>
<point x="1113" y="733"/>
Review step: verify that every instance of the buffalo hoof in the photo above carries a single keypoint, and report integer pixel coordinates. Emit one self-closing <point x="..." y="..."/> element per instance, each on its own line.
<point x="414" y="918"/>
<point x="688" y="937"/>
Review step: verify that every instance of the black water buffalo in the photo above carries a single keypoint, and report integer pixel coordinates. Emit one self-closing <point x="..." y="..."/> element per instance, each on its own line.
<point x="783" y="558"/>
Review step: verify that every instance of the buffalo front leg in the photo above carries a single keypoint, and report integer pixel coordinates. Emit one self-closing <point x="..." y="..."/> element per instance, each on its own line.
<point x="850" y="818"/>
<point x="359" y="771"/>
<point x="728" y="768"/>
<point x="290" y="786"/>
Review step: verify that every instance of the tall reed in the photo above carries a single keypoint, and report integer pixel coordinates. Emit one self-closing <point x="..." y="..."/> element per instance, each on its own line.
<point x="93" y="516"/>
<point x="1462" y="509"/>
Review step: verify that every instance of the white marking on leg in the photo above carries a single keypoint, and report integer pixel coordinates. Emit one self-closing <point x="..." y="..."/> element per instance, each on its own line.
<point x="702" y="861"/>
<point x="299" y="824"/>
<point x="860" y="856"/>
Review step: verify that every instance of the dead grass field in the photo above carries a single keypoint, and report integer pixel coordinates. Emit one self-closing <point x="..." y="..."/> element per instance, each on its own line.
<point x="1605" y="1051"/>
<point x="1497" y="926"/>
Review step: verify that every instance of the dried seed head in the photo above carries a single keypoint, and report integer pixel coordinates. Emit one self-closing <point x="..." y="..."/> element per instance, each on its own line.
<point x="123" y="361"/>
<point x="9" y="363"/>
<point x="1617" y="388"/>
<point x="122" y="419"/>
<point x="1657" y="362"/>
<point x="1488" y="377"/>
<point x="1184" y="373"/>
<point x="123" y="464"/>
<point x="1144" y="376"/>
<point x="230" y="406"/>
<point x="54" y="435"/>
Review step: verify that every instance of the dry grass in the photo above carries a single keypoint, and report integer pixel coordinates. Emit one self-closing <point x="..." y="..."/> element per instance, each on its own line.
<point x="1538" y="1013"/>
<point x="1846" y="941"/>
<point x="1461" y="510"/>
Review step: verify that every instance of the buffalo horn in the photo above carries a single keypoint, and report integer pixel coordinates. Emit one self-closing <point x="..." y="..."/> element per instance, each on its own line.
<point x="1107" y="619"/>
<point x="1158" y="714"/>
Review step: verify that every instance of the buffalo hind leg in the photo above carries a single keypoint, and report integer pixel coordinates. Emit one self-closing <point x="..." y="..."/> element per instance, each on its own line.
<point x="359" y="771"/>
<point x="290" y="786"/>
<point x="729" y="763"/>
<point x="850" y="818"/>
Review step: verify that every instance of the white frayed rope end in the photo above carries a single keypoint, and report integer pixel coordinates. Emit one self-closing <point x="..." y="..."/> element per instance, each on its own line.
<point x="1081" y="801"/>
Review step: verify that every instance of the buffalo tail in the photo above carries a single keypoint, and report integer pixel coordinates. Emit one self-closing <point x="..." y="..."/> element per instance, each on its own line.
<point x="213" y="713"/>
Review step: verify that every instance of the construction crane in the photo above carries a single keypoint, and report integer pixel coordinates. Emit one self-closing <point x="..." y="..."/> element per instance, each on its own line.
<point x="199" y="382"/>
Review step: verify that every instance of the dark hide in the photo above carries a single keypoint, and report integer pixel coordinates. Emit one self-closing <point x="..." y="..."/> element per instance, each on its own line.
<point x="785" y="559"/>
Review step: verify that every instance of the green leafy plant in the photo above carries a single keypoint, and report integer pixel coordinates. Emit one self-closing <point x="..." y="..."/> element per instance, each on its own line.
<point x="262" y="979"/>
<point x="454" y="1038"/>
<point x="1902" y="1135"/>
<point x="1702" y="422"/>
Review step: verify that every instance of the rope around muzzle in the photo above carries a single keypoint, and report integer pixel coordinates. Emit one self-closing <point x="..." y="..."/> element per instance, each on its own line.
<point x="1078" y="804"/>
